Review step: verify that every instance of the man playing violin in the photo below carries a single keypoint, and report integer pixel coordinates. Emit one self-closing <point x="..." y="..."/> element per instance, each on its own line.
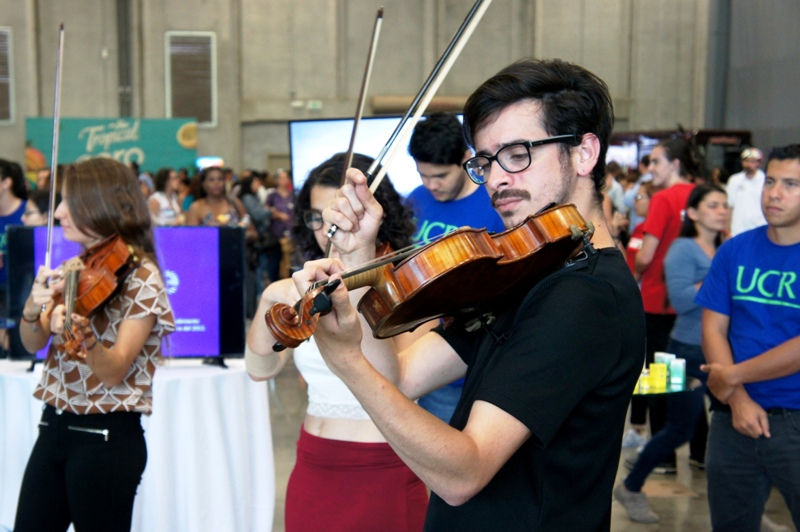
<point x="535" y="440"/>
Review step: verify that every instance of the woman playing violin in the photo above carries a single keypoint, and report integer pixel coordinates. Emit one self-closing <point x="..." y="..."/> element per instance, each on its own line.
<point x="90" y="453"/>
<point x="363" y="484"/>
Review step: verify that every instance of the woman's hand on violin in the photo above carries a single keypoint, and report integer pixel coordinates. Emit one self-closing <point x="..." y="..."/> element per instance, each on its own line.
<point x="42" y="292"/>
<point x="358" y="216"/>
<point x="57" y="319"/>
<point x="339" y="332"/>
<point x="82" y="333"/>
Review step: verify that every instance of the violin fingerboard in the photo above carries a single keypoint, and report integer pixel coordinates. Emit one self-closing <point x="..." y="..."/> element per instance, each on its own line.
<point x="70" y="293"/>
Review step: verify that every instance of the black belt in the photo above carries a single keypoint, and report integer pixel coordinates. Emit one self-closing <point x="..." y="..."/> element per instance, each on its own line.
<point x="781" y="411"/>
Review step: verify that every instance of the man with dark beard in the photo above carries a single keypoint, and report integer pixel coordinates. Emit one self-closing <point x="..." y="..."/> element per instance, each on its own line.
<point x="534" y="442"/>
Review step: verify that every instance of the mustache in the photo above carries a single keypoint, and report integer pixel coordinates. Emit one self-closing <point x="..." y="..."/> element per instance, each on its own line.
<point x="510" y="194"/>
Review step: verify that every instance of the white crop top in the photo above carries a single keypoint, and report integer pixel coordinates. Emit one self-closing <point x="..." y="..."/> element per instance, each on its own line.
<point x="328" y="396"/>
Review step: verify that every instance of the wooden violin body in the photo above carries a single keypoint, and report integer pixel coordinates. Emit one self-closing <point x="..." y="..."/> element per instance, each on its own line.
<point x="469" y="267"/>
<point x="91" y="280"/>
<point x="460" y="271"/>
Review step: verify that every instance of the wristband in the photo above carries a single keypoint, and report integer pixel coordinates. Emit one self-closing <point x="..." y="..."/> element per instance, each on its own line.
<point x="34" y="320"/>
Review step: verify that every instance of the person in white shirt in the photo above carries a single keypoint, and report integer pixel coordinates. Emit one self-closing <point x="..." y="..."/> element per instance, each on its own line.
<point x="744" y="193"/>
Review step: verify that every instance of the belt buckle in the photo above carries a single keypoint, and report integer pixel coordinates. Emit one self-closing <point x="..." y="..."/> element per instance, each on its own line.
<point x="59" y="411"/>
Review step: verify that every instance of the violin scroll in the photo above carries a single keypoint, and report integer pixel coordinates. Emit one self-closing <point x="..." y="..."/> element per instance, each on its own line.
<point x="291" y="326"/>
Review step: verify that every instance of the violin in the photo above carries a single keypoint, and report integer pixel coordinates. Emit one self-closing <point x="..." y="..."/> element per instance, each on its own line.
<point x="451" y="276"/>
<point x="90" y="281"/>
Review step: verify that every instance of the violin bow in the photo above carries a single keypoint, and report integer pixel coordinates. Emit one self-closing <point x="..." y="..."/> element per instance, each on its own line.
<point x="54" y="153"/>
<point x="376" y="30"/>
<point x="423" y="97"/>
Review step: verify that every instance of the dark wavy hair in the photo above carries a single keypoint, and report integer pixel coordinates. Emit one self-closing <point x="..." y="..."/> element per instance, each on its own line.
<point x="439" y="139"/>
<point x="688" y="226"/>
<point x="574" y="101"/>
<point x="105" y="199"/>
<point x="397" y="227"/>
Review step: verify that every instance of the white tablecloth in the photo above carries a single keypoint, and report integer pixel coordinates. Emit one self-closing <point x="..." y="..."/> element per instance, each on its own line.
<point x="210" y="462"/>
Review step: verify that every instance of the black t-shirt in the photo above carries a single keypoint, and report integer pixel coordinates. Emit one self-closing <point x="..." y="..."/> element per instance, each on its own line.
<point x="564" y="363"/>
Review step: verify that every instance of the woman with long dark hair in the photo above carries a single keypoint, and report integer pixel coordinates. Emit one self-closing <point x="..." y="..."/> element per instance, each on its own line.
<point x="163" y="203"/>
<point x="213" y="207"/>
<point x="346" y="476"/>
<point x="97" y="378"/>
<point x="686" y="265"/>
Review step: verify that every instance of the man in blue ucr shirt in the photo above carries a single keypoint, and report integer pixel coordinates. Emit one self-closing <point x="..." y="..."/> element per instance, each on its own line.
<point x="446" y="200"/>
<point x="751" y="340"/>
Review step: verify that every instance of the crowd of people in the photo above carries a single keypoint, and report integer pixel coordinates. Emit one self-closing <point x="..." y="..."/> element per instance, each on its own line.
<point x="510" y="416"/>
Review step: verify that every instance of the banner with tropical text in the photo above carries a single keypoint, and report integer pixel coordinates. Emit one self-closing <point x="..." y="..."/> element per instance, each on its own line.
<point x="152" y="143"/>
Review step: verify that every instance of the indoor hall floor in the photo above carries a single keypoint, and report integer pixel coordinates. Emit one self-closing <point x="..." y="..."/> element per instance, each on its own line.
<point x="680" y="500"/>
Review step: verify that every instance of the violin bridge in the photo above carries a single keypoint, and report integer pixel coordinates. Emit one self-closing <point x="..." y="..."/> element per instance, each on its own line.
<point x="134" y="259"/>
<point x="73" y="265"/>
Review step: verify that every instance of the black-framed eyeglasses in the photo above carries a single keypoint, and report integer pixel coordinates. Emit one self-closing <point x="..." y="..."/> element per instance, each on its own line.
<point x="313" y="219"/>
<point x="512" y="158"/>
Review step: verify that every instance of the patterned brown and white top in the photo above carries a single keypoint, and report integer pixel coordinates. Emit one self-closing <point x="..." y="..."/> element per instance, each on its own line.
<point x="70" y="384"/>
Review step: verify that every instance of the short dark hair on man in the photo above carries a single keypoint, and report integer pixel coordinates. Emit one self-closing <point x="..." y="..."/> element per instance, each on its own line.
<point x="783" y="153"/>
<point x="12" y="170"/>
<point x="438" y="140"/>
<point x="574" y="101"/>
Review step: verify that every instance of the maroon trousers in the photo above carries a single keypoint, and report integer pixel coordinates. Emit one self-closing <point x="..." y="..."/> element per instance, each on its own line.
<point x="345" y="486"/>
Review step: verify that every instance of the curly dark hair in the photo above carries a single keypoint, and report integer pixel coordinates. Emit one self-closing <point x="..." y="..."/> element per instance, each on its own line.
<point x="397" y="227"/>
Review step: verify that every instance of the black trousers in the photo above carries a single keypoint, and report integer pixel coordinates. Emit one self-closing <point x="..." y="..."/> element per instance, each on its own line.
<point x="82" y="470"/>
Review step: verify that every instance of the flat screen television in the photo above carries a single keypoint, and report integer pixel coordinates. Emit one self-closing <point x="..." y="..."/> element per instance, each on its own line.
<point x="312" y="142"/>
<point x="203" y="270"/>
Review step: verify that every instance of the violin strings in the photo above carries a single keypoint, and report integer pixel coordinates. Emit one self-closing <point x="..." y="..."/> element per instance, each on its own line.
<point x="378" y="261"/>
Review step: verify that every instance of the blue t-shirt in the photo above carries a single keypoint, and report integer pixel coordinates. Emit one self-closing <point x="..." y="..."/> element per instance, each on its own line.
<point x="436" y="218"/>
<point x="755" y="283"/>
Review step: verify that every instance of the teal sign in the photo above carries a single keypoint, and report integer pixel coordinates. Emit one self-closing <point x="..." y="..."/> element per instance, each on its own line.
<point x="152" y="143"/>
